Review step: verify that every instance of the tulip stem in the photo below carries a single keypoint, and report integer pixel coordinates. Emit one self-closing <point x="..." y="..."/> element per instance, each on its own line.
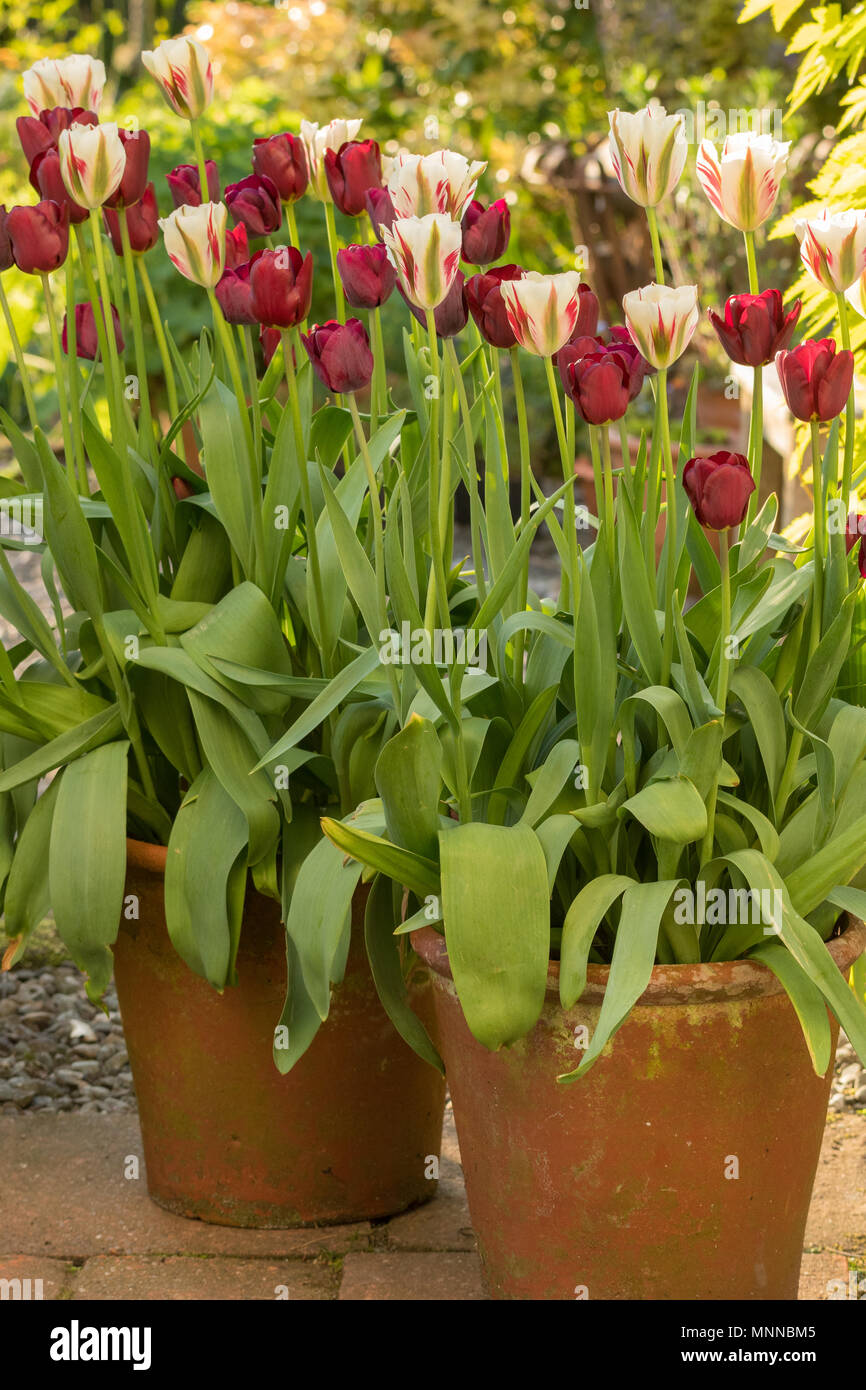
<point x="103" y="311"/>
<point x="820" y="545"/>
<point x="570" y="588"/>
<point x="848" y="461"/>
<point x="102" y="337"/>
<point x="608" y="495"/>
<point x="331" y="224"/>
<point x="751" y="262"/>
<point x="145" y="421"/>
<point x="162" y="342"/>
<point x="471" y="470"/>
<point x="246" y="333"/>
<point x="653" y="221"/>
<point x="74" y="380"/>
<point x="292" y="224"/>
<point x="525" y="500"/>
<point x="60" y="375"/>
<point x="670" y="524"/>
<point x="437" y="584"/>
<point x="379" y="387"/>
<point x="756" y="443"/>
<point x="23" y="373"/>
<point x="721" y="683"/>
<point x="234" y="367"/>
<point x="304" y="478"/>
<point x="378" y="545"/>
<point x="200" y="160"/>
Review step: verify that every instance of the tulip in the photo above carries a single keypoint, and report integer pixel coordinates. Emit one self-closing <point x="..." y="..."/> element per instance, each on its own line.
<point x="86" y="336"/>
<point x="235" y="295"/>
<point x="185" y="184"/>
<point x="255" y="202"/>
<point x="426" y="253"/>
<point x="485" y="231"/>
<point x="855" y="530"/>
<point x="92" y="162"/>
<point x="181" y="488"/>
<point x="451" y="316"/>
<point x="40" y="133"/>
<point x="39" y="236"/>
<point x="47" y="179"/>
<point x="487" y="307"/>
<point x="816" y="379"/>
<point x="743" y="183"/>
<point x="195" y="241"/>
<point x="587" y="317"/>
<point x="136" y="145"/>
<point x="648" y="150"/>
<point x="142" y="221"/>
<point x="442" y="182"/>
<point x="282" y="159"/>
<point x="183" y="70"/>
<point x="269" y="341"/>
<point x="833" y="248"/>
<point x="352" y="171"/>
<point x="77" y="80"/>
<point x="542" y="310"/>
<point x="367" y="275"/>
<point x="7" y="260"/>
<point x="237" y="247"/>
<point x="380" y="209"/>
<point x="282" y="286"/>
<point x="719" y="488"/>
<point x="316" y="141"/>
<point x="619" y="336"/>
<point x="601" y="379"/>
<point x="755" y="327"/>
<point x="661" y="321"/>
<point x="340" y="354"/>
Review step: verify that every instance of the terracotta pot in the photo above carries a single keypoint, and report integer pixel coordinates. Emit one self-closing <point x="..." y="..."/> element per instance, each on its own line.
<point x="680" y="1167"/>
<point x="345" y="1136"/>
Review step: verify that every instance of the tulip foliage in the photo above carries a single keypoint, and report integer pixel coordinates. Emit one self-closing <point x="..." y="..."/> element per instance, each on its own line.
<point x="266" y="633"/>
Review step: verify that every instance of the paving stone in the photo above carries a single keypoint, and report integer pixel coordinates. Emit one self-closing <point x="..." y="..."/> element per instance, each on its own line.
<point x="443" y="1224"/>
<point x="819" y="1270"/>
<point x="176" y="1277"/>
<point x="48" y="1278"/>
<point x="439" y="1277"/>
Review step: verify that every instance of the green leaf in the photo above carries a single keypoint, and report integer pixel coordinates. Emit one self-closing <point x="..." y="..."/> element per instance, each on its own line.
<point x="232" y="758"/>
<point x="581" y="923"/>
<point x="69" y="536"/>
<point x="806" y="997"/>
<point x="409" y="781"/>
<point x="318" y="709"/>
<point x="318" y="921"/>
<point x="28" y="898"/>
<point x="402" y="865"/>
<point x="756" y="693"/>
<point x="637" y="598"/>
<point x="102" y="728"/>
<point x="671" y="810"/>
<point x="383" y="953"/>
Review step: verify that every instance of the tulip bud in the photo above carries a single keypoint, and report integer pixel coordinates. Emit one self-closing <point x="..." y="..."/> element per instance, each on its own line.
<point x="855" y="530"/>
<point x="136" y="146"/>
<point x="661" y="321"/>
<point x="47" y="179"/>
<point x="719" y="488"/>
<point x="600" y="379"/>
<point x="181" y="488"/>
<point x="484" y="297"/>
<point x="833" y="248"/>
<point x="442" y="182"/>
<point x="368" y="276"/>
<point x="816" y="379"/>
<point x="269" y="341"/>
<point x="237" y="247"/>
<point x="755" y="327"/>
<point x="39" y="236"/>
<point x="743" y="184"/>
<point x="282" y="286"/>
<point x="86" y="335"/>
<point x="182" y="68"/>
<point x="316" y="141"/>
<point x="195" y="241"/>
<point x="380" y="209"/>
<point x="40" y="133"/>
<point x="542" y="310"/>
<point x="142" y="221"/>
<point x="426" y="253"/>
<point x="282" y="159"/>
<point x="340" y="354"/>
<point x="7" y="260"/>
<point x="92" y="162"/>
<point x="77" y="80"/>
<point x="451" y="316"/>
<point x="648" y="150"/>
<point x="185" y="184"/>
<point x="235" y="296"/>
<point x="351" y="172"/>
<point x="485" y="231"/>
<point x="255" y="202"/>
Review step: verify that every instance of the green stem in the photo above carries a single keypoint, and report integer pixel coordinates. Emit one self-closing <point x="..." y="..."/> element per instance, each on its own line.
<point x="670" y="524"/>
<point x="525" y="498"/>
<point x="60" y="375"/>
<point x="99" y="320"/>
<point x="378" y="396"/>
<point x="253" y="382"/>
<point x="253" y="464"/>
<point x="330" y="223"/>
<point x="292" y="223"/>
<point x="161" y="340"/>
<point x="749" y="239"/>
<point x="23" y="373"/>
<point x="820" y="543"/>
<point x="608" y="498"/>
<point x="146" y="421"/>
<point x="437" y="585"/>
<point x="74" y="380"/>
<point x="653" y="221"/>
<point x="471" y="470"/>
<point x="103" y="311"/>
<point x="570" y="523"/>
<point x="721" y="685"/>
<point x="200" y="160"/>
<point x="306" y="496"/>
<point x="848" y="461"/>
<point x="756" y="443"/>
<point x="378" y="544"/>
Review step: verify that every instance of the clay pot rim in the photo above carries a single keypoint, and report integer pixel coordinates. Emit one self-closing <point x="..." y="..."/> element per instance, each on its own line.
<point x="706" y="982"/>
<point x="140" y="854"/>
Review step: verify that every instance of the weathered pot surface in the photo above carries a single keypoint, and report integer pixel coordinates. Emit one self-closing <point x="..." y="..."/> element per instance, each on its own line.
<point x="347" y="1135"/>
<point x="679" y="1167"/>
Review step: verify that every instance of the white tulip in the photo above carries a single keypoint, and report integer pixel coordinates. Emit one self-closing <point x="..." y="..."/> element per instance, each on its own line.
<point x="661" y="321"/>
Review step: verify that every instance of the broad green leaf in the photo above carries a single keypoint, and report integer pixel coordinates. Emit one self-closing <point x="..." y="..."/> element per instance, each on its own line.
<point x="401" y="865"/>
<point x="579" y="928"/>
<point x="319" y="918"/>
<point x="806" y="997"/>
<point x="102" y="728"/>
<point x="383" y="953"/>
<point x="409" y="781"/>
<point x="671" y="810"/>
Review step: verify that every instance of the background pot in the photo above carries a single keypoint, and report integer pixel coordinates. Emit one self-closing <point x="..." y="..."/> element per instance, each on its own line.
<point x="343" y="1137"/>
<point x="680" y="1167"/>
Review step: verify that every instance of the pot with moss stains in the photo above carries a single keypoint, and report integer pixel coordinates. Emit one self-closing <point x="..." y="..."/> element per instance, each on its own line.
<point x="348" y="1134"/>
<point x="680" y="1166"/>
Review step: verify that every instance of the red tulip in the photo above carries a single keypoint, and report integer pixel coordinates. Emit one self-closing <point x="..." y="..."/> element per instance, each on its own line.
<point x="855" y="530"/>
<point x="601" y="381"/>
<point x="6" y="258"/>
<point x="142" y="220"/>
<point x="282" y="286"/>
<point x="587" y="321"/>
<point x="484" y="297"/>
<point x="269" y="338"/>
<point x="235" y="295"/>
<point x="185" y="184"/>
<point x="182" y="489"/>
<point x="380" y="209"/>
<point x="86" y="336"/>
<point x="452" y="315"/>
<point x="816" y="379"/>
<point x="352" y="171"/>
<point x="46" y="178"/>
<point x="39" y="133"/>
<point x="485" y="231"/>
<point x="282" y="159"/>
<point x="619" y="337"/>
<point x="368" y="275"/>
<point x="755" y="327"/>
<point x="719" y="488"/>
<point x="39" y="236"/>
<point x="255" y="203"/>
<point x="340" y="354"/>
<point x="136" y="144"/>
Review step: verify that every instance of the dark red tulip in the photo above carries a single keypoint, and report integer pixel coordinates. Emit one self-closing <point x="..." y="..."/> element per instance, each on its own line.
<point x="185" y="184"/>
<point x="719" y="488"/>
<point x="283" y="159"/>
<point x="485" y="231"/>
<point x="484" y="297"/>
<point x="282" y="286"/>
<point x="235" y="296"/>
<point x="452" y="315"/>
<point x="269" y="338"/>
<point x="620" y="338"/>
<point x="816" y="379"/>
<point x="86" y="336"/>
<point x="46" y="178"/>
<point x="586" y="325"/>
<point x="39" y="236"/>
<point x="255" y="203"/>
<point x="142" y="221"/>
<point x="380" y="209"/>
<point x="40" y="133"/>
<point x="855" y="530"/>
<point x="352" y="171"/>
<point x="340" y="354"/>
<point x="182" y="489"/>
<point x="755" y="327"/>
<point x="367" y="274"/>
<point x="136" y="145"/>
<point x="237" y="247"/>
<point x="601" y="381"/>
<point x="6" y="258"/>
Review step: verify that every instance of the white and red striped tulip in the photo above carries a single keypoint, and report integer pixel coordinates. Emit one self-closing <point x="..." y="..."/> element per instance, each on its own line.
<point x="77" y="80"/>
<point x="648" y="149"/>
<point x="195" y="239"/>
<point x="743" y="182"/>
<point x="182" y="67"/>
<point x="442" y="182"/>
<point x="833" y="247"/>
<point x="661" y="321"/>
<point x="426" y="254"/>
<point x="317" y="140"/>
<point x="92" y="161"/>
<point x="542" y="310"/>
